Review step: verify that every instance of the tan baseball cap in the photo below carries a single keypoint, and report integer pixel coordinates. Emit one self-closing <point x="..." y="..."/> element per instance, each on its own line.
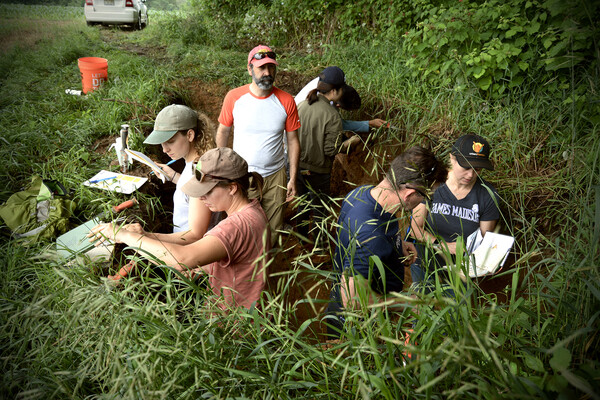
<point x="216" y="165"/>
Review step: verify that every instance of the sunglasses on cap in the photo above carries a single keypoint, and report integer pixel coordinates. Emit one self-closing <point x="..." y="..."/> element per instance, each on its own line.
<point x="201" y="175"/>
<point x="265" y="54"/>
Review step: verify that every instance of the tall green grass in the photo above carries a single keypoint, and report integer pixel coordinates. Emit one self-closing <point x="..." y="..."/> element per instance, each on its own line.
<point x="66" y="333"/>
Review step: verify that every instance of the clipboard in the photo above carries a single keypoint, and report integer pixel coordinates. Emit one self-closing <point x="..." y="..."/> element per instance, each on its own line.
<point x="485" y="254"/>
<point x="74" y="242"/>
<point x="144" y="159"/>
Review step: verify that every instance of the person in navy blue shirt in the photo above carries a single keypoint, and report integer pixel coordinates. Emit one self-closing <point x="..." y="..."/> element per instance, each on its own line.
<point x="368" y="226"/>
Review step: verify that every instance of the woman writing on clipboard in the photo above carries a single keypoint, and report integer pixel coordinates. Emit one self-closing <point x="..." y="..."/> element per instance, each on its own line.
<point x="460" y="206"/>
<point x="182" y="133"/>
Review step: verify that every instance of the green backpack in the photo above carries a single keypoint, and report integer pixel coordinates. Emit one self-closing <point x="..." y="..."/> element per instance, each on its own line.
<point x="41" y="211"/>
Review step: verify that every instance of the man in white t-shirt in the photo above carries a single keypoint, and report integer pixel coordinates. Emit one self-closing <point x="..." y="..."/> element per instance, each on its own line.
<point x="261" y="114"/>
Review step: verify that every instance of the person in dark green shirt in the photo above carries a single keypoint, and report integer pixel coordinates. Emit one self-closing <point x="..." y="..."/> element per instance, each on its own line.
<point x="321" y="137"/>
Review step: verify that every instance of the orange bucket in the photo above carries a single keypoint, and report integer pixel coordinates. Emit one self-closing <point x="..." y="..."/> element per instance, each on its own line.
<point x="94" y="71"/>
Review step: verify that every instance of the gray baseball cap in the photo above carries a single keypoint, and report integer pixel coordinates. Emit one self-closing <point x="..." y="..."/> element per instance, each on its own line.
<point x="169" y="121"/>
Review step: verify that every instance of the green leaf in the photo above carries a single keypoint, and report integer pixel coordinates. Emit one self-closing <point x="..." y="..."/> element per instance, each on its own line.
<point x="557" y="383"/>
<point x="510" y="33"/>
<point x="478" y="72"/>
<point x="420" y="47"/>
<point x="561" y="359"/>
<point x="548" y="42"/>
<point x="534" y="27"/>
<point x="556" y="7"/>
<point x="513" y="368"/>
<point x="534" y="363"/>
<point x="484" y="83"/>
<point x="593" y="289"/>
<point x="460" y="36"/>
<point x="558" y="48"/>
<point x="516" y="81"/>
<point x="523" y="65"/>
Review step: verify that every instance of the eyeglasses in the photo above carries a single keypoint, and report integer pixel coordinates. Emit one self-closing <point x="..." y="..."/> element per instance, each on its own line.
<point x="265" y="54"/>
<point x="201" y="175"/>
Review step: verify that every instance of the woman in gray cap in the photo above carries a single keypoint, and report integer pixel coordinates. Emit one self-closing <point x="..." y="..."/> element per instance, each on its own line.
<point x="460" y="206"/>
<point x="234" y="253"/>
<point x="182" y="133"/>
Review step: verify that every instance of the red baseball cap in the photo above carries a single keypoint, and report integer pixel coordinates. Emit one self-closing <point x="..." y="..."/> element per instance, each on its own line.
<point x="267" y="56"/>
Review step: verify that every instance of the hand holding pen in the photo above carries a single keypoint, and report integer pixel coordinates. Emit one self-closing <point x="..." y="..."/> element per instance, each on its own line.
<point x="167" y="171"/>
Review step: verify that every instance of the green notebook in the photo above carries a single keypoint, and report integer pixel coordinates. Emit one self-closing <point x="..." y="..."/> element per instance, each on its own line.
<point x="75" y="241"/>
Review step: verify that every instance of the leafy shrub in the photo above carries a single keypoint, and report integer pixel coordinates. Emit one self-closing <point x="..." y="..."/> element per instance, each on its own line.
<point x="260" y="25"/>
<point x="223" y="18"/>
<point x="498" y="44"/>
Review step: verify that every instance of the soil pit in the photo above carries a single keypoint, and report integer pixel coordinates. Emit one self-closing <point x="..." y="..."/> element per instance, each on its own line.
<point x="308" y="292"/>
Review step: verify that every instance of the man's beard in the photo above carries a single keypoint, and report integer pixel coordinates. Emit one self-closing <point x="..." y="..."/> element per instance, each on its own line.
<point x="264" y="83"/>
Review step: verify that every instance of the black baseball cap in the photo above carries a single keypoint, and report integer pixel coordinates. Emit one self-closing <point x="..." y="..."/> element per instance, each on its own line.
<point x="472" y="151"/>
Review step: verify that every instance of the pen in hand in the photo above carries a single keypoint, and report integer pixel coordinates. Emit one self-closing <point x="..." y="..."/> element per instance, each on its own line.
<point x="169" y="163"/>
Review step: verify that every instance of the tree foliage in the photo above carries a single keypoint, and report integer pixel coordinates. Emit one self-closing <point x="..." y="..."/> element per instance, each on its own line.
<point x="495" y="45"/>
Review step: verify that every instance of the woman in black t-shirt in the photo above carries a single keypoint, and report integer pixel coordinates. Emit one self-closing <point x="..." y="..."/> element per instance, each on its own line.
<point x="460" y="206"/>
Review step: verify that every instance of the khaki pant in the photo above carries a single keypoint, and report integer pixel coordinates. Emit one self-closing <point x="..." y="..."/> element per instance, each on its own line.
<point x="273" y="200"/>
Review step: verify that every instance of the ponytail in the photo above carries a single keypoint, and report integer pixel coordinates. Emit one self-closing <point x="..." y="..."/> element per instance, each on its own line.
<point x="252" y="180"/>
<point x="258" y="182"/>
<point x="322" y="88"/>
<point x="311" y="97"/>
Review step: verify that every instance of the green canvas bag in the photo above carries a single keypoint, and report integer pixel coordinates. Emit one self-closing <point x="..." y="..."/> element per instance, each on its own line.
<point x="41" y="211"/>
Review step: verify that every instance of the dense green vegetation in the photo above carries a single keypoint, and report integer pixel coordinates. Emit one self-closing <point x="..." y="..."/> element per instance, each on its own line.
<point x="522" y="73"/>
